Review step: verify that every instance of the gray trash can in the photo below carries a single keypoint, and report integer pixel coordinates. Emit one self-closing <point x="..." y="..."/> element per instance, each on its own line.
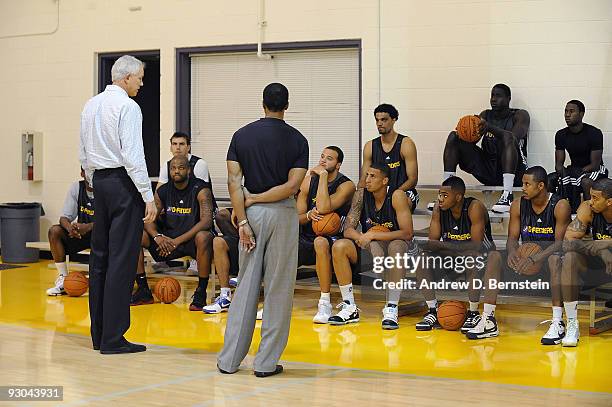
<point x="20" y="224"/>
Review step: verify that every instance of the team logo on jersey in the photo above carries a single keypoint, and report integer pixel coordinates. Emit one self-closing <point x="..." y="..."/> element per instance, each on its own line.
<point x="602" y="236"/>
<point x="539" y="220"/>
<point x="458" y="237"/>
<point x="178" y="211"/>
<point x="370" y="223"/>
<point x="86" y="211"/>
<point x="533" y="230"/>
<point x="394" y="165"/>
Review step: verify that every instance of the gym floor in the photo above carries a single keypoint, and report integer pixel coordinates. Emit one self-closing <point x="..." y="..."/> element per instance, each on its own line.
<point x="45" y="341"/>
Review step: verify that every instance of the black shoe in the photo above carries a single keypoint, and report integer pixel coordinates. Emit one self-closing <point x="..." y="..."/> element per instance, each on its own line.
<point x="471" y="320"/>
<point x="127" y="348"/>
<point x="429" y="321"/>
<point x="96" y="347"/>
<point x="199" y="299"/>
<point x="142" y="296"/>
<point x="279" y="369"/>
<point x="223" y="371"/>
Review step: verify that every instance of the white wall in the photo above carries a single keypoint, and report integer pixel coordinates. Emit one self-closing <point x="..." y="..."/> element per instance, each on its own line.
<point x="438" y="60"/>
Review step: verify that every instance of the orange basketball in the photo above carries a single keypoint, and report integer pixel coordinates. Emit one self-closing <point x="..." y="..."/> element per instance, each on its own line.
<point x="467" y="128"/>
<point x="379" y="228"/>
<point x="451" y="315"/>
<point x="167" y="290"/>
<point x="328" y="226"/>
<point x="76" y="284"/>
<point x="529" y="249"/>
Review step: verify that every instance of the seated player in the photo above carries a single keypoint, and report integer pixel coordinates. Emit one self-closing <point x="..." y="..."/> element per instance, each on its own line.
<point x="463" y="226"/>
<point x="502" y="157"/>
<point x="584" y="144"/>
<point x="587" y="259"/>
<point x="323" y="191"/>
<point x="394" y="149"/>
<point x="183" y="228"/>
<point x="73" y="233"/>
<point x="372" y="207"/>
<point x="540" y="217"/>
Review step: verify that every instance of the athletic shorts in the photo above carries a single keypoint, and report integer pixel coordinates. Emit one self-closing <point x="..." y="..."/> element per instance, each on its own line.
<point x="306" y="251"/>
<point x="185" y="249"/>
<point x="74" y="245"/>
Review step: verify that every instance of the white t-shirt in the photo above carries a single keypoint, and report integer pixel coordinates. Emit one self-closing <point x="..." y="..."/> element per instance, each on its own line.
<point x="200" y="171"/>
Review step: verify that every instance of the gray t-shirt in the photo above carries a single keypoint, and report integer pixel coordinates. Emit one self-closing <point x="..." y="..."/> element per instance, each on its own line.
<point x="71" y="203"/>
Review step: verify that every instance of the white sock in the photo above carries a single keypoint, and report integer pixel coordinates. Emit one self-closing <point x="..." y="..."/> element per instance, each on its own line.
<point x="489" y="309"/>
<point x="571" y="310"/>
<point x="393" y="295"/>
<point x="432" y="304"/>
<point x="557" y="313"/>
<point x="447" y="175"/>
<point x="226" y="292"/>
<point x="347" y="293"/>
<point x="325" y="297"/>
<point x="62" y="268"/>
<point x="473" y="306"/>
<point x="508" y="182"/>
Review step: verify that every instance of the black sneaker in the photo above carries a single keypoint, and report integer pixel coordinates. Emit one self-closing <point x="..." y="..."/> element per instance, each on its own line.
<point x="142" y="296"/>
<point x="348" y="314"/>
<point x="430" y="321"/>
<point x="486" y="328"/>
<point x="503" y="205"/>
<point x="471" y="320"/>
<point x="199" y="299"/>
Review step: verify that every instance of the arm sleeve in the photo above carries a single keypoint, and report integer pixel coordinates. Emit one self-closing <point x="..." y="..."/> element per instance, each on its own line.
<point x="559" y="141"/>
<point x="82" y="155"/>
<point x="163" y="174"/>
<point x="232" y="154"/>
<point x="132" y="151"/>
<point x="200" y="170"/>
<point x="596" y="139"/>
<point x="302" y="158"/>
<point x="70" y="209"/>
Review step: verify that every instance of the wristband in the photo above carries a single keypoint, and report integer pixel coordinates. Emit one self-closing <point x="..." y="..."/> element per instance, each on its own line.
<point x="243" y="222"/>
<point x="157" y="235"/>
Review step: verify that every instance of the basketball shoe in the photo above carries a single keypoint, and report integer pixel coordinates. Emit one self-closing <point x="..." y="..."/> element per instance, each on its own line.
<point x="348" y="314"/>
<point x="220" y="305"/>
<point x="471" y="320"/>
<point x="429" y="321"/>
<point x="572" y="335"/>
<point x="142" y="296"/>
<point x="324" y="312"/>
<point x="390" y="317"/>
<point x="556" y="333"/>
<point x="486" y="328"/>
<point x="58" y="288"/>
<point x="199" y="299"/>
<point x="503" y="204"/>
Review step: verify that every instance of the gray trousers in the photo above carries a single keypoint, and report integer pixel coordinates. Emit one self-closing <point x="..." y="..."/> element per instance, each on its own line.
<point x="274" y="260"/>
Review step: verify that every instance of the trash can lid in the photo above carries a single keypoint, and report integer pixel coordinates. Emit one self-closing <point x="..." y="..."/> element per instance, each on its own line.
<point x="23" y="205"/>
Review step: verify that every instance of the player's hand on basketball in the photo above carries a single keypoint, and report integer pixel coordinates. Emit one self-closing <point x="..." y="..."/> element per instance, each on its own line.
<point x="513" y="260"/>
<point x="314" y="215"/>
<point x="483" y="127"/>
<point x="247" y="238"/>
<point x="524" y="264"/>
<point x="150" y="212"/>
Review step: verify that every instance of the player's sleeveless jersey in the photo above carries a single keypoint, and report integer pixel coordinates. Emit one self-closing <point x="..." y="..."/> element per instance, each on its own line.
<point x="538" y="227"/>
<point x="385" y="216"/>
<point x="602" y="230"/>
<point x="489" y="142"/>
<point x="86" y="205"/>
<point x="460" y="230"/>
<point x="332" y="187"/>
<point x="192" y="163"/>
<point x="181" y="207"/>
<point x="397" y="167"/>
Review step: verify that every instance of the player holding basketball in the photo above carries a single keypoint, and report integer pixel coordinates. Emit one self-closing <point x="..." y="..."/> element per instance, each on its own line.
<point x="182" y="228"/>
<point x="502" y="158"/>
<point x="377" y="206"/>
<point x="323" y="191"/>
<point x="540" y="217"/>
<point x="463" y="226"/>
<point x="584" y="258"/>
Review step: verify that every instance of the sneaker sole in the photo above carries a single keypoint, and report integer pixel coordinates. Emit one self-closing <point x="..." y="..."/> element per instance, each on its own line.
<point x="550" y="341"/>
<point x="320" y="322"/>
<point x="497" y="210"/>
<point x="195" y="308"/>
<point x="351" y="321"/>
<point x="57" y="295"/>
<point x="569" y="345"/>
<point x="484" y="336"/>
<point x="215" y="312"/>
<point x="390" y="327"/>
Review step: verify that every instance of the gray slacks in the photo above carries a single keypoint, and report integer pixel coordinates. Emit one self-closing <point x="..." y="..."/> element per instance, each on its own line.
<point x="274" y="260"/>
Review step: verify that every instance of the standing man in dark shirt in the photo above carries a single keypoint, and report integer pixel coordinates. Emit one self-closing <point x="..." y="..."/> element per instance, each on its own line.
<point x="273" y="157"/>
<point x="584" y="144"/>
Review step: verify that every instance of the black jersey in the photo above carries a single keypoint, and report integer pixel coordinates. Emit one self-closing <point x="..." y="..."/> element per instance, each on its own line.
<point x="602" y="230"/>
<point x="490" y="142"/>
<point x="538" y="227"/>
<point x="192" y="163"/>
<point x="397" y="167"/>
<point x="385" y="216"/>
<point x="181" y="207"/>
<point x="460" y="230"/>
<point x="85" y="204"/>
<point x="332" y="187"/>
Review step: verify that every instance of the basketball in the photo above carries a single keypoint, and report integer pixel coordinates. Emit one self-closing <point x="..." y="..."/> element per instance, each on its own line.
<point x="167" y="290"/>
<point x="451" y="315"/>
<point x="76" y="284"/>
<point x="467" y="128"/>
<point x="529" y="249"/>
<point x="379" y="228"/>
<point x="328" y="226"/>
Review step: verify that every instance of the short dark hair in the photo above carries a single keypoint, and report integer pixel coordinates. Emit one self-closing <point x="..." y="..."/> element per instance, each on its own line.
<point x="382" y="167"/>
<point x="539" y="174"/>
<point x="505" y="88"/>
<point x="180" y="134"/>
<point x="276" y="97"/>
<point x="387" y="108"/>
<point x="577" y="103"/>
<point x="455" y="183"/>
<point x="338" y="151"/>
<point x="605" y="186"/>
<point x="180" y="158"/>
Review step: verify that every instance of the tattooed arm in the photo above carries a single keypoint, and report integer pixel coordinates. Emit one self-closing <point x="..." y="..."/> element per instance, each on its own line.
<point x="578" y="227"/>
<point x="352" y="220"/>
<point x="206" y="217"/>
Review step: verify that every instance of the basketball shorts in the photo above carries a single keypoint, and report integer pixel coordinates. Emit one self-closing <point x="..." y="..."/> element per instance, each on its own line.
<point x="306" y="251"/>
<point x="74" y="245"/>
<point x="185" y="249"/>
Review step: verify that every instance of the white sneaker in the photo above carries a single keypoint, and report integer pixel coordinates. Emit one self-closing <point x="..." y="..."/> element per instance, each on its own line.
<point x="193" y="267"/>
<point x="259" y="316"/>
<point x="389" y="320"/>
<point x="430" y="206"/>
<point x="58" y="289"/>
<point x="486" y="328"/>
<point x="348" y="314"/>
<point x="572" y="335"/>
<point x="556" y="332"/>
<point x="325" y="311"/>
<point x="503" y="204"/>
<point x="220" y="305"/>
<point x="233" y="282"/>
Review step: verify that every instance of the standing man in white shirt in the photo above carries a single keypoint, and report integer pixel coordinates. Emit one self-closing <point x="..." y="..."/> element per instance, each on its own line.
<point x="112" y="154"/>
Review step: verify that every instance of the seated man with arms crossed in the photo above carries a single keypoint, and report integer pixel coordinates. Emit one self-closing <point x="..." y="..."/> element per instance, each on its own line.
<point x="373" y="207"/>
<point x="463" y="226"/>
<point x="70" y="237"/>
<point x="183" y="228"/>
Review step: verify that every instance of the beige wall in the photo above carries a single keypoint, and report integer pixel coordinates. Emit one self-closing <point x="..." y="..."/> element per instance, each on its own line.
<point x="437" y="58"/>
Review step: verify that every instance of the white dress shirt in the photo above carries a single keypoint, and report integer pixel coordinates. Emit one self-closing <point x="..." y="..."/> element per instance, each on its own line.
<point x="111" y="137"/>
<point x="200" y="170"/>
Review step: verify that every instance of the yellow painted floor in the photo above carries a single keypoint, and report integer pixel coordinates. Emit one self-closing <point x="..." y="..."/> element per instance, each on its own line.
<point x="514" y="358"/>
